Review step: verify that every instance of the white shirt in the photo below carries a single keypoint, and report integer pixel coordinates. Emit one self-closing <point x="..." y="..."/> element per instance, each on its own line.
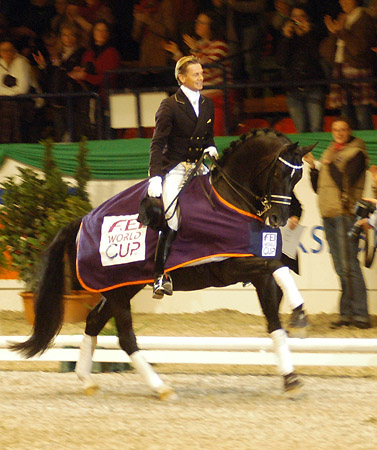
<point x="351" y="18"/>
<point x="193" y="97"/>
<point x="21" y="70"/>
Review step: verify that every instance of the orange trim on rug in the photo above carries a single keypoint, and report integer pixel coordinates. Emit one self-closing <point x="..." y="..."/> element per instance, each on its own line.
<point x="240" y="211"/>
<point x="131" y="283"/>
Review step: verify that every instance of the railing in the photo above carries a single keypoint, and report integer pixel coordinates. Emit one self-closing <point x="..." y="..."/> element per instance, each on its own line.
<point x="351" y="352"/>
<point x="226" y="87"/>
<point x="103" y="112"/>
<point x="68" y="97"/>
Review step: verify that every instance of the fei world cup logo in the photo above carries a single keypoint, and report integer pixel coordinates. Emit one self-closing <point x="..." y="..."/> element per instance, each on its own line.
<point x="122" y="240"/>
<point x="269" y="244"/>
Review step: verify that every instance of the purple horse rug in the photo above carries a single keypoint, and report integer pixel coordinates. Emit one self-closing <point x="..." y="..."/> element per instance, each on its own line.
<point x="115" y="250"/>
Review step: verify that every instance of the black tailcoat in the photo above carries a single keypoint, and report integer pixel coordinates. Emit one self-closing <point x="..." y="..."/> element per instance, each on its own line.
<point x="179" y="134"/>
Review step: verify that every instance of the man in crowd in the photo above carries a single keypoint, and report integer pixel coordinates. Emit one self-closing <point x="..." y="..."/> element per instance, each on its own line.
<point x="339" y="183"/>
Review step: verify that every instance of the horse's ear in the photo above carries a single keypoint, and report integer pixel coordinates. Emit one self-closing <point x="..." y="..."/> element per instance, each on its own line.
<point x="307" y="149"/>
<point x="289" y="148"/>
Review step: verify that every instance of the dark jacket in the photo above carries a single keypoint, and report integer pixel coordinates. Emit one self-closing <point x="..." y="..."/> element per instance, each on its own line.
<point x="55" y="79"/>
<point x="299" y="57"/>
<point x="358" y="42"/>
<point x="179" y="135"/>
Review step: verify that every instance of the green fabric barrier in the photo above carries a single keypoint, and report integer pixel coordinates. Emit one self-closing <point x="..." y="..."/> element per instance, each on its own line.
<point x="124" y="159"/>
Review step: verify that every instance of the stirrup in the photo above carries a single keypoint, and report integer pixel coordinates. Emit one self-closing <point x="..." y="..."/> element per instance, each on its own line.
<point x="162" y="285"/>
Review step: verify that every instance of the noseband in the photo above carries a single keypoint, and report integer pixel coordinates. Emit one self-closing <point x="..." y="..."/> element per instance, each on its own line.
<point x="267" y="200"/>
<point x="285" y="199"/>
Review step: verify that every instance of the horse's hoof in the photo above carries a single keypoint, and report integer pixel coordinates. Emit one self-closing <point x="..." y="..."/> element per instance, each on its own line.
<point x="166" y="393"/>
<point x="293" y="386"/>
<point x="298" y="325"/>
<point x="300" y="333"/>
<point x="90" y="388"/>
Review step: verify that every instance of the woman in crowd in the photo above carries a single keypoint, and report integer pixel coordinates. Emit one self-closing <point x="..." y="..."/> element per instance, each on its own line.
<point x="210" y="48"/>
<point x="15" y="79"/>
<point x="85" y="16"/>
<point x="299" y="57"/>
<point x="348" y="48"/>
<point x="66" y="56"/>
<point x="154" y="23"/>
<point x="98" y="59"/>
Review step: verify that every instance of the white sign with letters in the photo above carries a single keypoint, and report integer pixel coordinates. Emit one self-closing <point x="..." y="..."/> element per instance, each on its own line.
<point x="122" y="240"/>
<point x="269" y="244"/>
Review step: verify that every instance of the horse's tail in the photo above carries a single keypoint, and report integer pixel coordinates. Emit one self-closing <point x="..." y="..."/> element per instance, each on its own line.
<point x="49" y="307"/>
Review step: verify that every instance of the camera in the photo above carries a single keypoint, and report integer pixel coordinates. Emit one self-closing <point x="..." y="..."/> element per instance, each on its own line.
<point x="363" y="209"/>
<point x="9" y="81"/>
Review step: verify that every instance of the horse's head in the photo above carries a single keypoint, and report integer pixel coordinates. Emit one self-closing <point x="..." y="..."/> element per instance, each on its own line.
<point x="258" y="173"/>
<point x="285" y="174"/>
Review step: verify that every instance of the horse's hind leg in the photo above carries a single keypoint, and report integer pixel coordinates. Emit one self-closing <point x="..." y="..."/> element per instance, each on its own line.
<point x="96" y="320"/>
<point x="121" y="308"/>
<point x="267" y="290"/>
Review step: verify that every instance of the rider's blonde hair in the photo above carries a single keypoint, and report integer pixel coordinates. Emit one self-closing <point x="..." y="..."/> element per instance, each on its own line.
<point x="182" y="65"/>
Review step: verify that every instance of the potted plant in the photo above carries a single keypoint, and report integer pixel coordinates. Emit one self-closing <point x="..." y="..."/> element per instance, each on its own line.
<point x="34" y="208"/>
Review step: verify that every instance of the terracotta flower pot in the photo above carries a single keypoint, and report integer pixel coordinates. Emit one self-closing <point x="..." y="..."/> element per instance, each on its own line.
<point x="77" y="305"/>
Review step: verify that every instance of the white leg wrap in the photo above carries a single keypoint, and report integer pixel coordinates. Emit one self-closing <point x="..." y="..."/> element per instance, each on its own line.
<point x="146" y="371"/>
<point x="282" y="352"/>
<point x="287" y="284"/>
<point x="85" y="362"/>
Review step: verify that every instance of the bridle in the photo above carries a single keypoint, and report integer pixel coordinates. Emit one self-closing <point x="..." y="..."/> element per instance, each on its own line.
<point x="268" y="199"/>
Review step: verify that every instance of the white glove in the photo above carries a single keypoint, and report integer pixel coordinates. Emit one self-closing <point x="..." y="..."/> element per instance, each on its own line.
<point x="211" y="151"/>
<point x="155" y="186"/>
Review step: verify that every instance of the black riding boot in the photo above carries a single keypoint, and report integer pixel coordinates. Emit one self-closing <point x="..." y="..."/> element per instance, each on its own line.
<point x="162" y="282"/>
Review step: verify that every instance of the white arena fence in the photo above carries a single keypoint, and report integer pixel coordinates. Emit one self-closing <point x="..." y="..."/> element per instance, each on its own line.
<point x="351" y="352"/>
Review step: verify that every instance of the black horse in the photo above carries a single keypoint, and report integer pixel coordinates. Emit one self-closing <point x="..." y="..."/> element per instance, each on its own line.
<point x="254" y="179"/>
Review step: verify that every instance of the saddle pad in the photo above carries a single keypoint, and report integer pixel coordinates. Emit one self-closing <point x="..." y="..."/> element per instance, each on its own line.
<point x="114" y="249"/>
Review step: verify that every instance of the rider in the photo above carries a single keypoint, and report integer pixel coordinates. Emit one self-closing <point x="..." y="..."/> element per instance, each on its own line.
<point x="183" y="132"/>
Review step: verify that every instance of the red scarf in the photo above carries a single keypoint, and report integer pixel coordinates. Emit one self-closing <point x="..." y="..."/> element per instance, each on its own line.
<point x="338" y="147"/>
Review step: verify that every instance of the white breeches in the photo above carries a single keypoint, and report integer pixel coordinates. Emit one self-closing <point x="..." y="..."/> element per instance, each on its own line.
<point x="172" y="184"/>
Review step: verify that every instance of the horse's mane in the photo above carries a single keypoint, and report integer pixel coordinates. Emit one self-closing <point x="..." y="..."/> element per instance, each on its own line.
<point x="252" y="134"/>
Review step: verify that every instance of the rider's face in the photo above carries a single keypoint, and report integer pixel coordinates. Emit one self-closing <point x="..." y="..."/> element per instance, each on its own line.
<point x="193" y="78"/>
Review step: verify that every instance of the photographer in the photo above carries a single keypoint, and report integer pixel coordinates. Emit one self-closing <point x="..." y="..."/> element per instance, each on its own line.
<point x="299" y="57"/>
<point x="370" y="221"/>
<point x="15" y="79"/>
<point x="339" y="183"/>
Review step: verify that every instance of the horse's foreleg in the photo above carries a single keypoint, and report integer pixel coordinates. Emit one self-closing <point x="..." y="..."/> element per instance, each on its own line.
<point x="121" y="308"/>
<point x="297" y="323"/>
<point x="286" y="283"/>
<point x="96" y="320"/>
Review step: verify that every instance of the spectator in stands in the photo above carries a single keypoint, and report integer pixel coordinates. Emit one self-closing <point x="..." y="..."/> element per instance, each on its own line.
<point x="98" y="59"/>
<point x="85" y="16"/>
<point x="210" y="48"/>
<point x="15" y="79"/>
<point x="298" y="54"/>
<point x="339" y="183"/>
<point x="224" y="9"/>
<point x="35" y="19"/>
<point x="54" y="79"/>
<point x="154" y="23"/>
<point x="185" y="13"/>
<point x="348" y="49"/>
<point x="60" y="17"/>
<point x="250" y="25"/>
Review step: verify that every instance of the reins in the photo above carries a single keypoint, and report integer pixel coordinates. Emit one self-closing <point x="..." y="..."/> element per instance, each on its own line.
<point x="188" y="177"/>
<point x="268" y="198"/>
<point x="266" y="201"/>
<point x="234" y="184"/>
